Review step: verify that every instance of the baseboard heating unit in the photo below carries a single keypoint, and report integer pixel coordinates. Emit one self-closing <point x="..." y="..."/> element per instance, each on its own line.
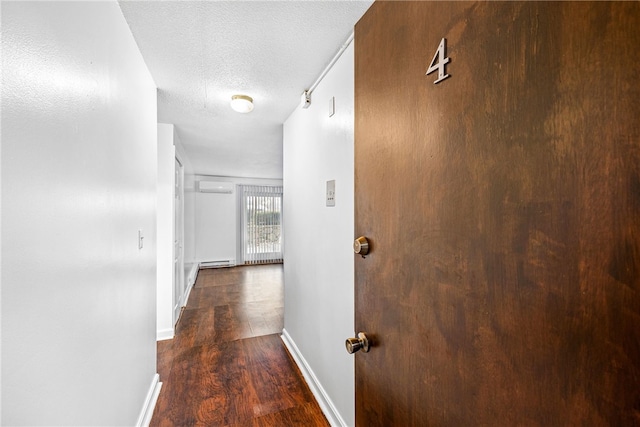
<point x="218" y="264"/>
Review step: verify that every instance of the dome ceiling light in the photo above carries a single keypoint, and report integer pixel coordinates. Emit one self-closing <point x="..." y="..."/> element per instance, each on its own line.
<point x="242" y="103"/>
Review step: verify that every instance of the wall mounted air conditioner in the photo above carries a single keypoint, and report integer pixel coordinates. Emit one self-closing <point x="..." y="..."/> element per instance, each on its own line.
<point x="215" y="187"/>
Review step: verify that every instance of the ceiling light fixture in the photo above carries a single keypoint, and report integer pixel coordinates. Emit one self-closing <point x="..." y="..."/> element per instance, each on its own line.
<point x="242" y="103"/>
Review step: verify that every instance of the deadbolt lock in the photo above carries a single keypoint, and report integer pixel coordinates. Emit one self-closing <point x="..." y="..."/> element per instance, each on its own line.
<point x="361" y="246"/>
<point x="357" y="344"/>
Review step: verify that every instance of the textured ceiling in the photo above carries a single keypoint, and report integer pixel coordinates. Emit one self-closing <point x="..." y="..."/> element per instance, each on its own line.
<point x="200" y="53"/>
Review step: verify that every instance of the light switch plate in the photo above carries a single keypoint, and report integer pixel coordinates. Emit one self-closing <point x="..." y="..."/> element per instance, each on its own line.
<point x="331" y="193"/>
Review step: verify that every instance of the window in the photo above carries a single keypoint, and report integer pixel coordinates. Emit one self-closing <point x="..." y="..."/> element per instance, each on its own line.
<point x="261" y="226"/>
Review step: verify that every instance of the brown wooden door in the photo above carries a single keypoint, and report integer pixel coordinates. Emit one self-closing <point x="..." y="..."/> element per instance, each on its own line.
<point x="503" y="211"/>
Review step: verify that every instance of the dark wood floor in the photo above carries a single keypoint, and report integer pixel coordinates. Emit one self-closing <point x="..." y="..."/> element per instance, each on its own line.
<point x="227" y="365"/>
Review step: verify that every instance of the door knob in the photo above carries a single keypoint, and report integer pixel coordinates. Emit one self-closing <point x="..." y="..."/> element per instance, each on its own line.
<point x="361" y="246"/>
<point x="356" y="344"/>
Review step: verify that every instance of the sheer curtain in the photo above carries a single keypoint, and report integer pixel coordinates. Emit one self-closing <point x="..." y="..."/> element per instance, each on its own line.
<point x="260" y="225"/>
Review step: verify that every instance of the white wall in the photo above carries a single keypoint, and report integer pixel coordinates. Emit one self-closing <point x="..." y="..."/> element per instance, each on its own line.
<point x="190" y="262"/>
<point x="216" y="219"/>
<point x="216" y="224"/>
<point x="78" y="182"/>
<point x="170" y="148"/>
<point x="165" y="233"/>
<point x="318" y="266"/>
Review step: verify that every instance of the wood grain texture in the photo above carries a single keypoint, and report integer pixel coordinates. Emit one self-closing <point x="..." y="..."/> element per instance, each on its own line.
<point x="503" y="207"/>
<point x="227" y="365"/>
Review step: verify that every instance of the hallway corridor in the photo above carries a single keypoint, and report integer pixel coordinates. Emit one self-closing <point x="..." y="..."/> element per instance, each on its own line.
<point x="227" y="365"/>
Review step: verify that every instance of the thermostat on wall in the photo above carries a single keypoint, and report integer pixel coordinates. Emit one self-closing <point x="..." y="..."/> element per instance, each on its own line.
<point x="331" y="193"/>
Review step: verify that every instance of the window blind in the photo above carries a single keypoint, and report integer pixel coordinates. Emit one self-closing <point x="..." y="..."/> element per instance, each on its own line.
<point x="261" y="224"/>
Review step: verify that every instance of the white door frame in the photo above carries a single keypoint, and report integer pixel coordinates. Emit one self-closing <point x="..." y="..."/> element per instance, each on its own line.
<point x="178" y="240"/>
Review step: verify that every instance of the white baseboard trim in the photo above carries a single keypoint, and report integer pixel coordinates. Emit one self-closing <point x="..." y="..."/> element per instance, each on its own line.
<point x="144" y="419"/>
<point x="326" y="404"/>
<point x="165" y="334"/>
